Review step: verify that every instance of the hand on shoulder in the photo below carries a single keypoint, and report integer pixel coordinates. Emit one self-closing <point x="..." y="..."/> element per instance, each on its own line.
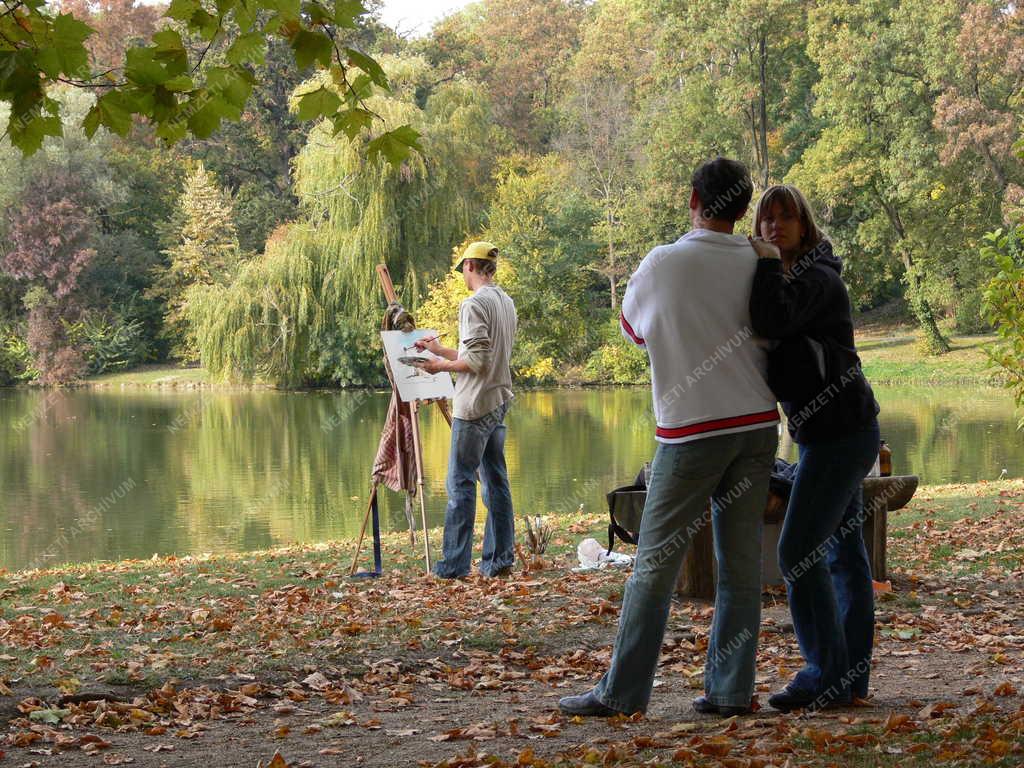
<point x="764" y="249"/>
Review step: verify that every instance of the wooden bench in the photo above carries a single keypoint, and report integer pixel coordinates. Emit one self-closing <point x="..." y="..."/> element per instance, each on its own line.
<point x="881" y="494"/>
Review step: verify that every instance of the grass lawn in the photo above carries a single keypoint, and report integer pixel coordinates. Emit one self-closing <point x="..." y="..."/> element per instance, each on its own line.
<point x="898" y="359"/>
<point x="961" y="528"/>
<point x="888" y="357"/>
<point x="152" y="376"/>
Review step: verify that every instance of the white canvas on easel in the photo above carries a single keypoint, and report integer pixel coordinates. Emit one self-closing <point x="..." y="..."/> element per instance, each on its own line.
<point x="414" y="383"/>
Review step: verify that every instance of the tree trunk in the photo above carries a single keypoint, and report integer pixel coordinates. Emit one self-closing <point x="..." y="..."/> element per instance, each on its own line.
<point x="763" y="128"/>
<point x="934" y="342"/>
<point x="612" y="277"/>
<point x="998" y="173"/>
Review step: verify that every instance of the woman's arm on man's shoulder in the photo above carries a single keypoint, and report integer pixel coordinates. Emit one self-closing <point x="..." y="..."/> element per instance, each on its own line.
<point x="779" y="307"/>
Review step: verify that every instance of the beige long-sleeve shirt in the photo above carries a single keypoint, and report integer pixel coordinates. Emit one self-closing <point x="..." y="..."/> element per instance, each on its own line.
<point x="487" y="328"/>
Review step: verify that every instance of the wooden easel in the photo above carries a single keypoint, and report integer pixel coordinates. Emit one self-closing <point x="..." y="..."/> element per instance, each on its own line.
<point x="414" y="409"/>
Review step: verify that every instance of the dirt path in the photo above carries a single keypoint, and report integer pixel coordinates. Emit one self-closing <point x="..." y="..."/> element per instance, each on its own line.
<point x="435" y="708"/>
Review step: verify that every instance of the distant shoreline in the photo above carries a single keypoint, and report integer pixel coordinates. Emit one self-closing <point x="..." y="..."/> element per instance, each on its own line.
<point x="887" y="358"/>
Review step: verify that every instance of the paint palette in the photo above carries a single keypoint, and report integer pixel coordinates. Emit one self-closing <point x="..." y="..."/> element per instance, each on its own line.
<point x="412" y="360"/>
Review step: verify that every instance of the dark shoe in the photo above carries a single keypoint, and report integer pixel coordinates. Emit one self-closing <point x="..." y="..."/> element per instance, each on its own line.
<point x="705" y="707"/>
<point x="452" y="577"/>
<point x="501" y="573"/>
<point x="789" y="699"/>
<point x="585" y="705"/>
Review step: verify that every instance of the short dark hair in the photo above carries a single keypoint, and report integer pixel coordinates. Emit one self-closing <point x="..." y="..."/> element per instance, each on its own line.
<point x="724" y="188"/>
<point x="485" y="267"/>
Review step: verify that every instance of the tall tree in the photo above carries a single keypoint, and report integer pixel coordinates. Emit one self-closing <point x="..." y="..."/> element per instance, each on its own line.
<point x="981" y="79"/>
<point x="204" y="252"/>
<point x="49" y="236"/>
<point x="253" y="157"/>
<point x="542" y="226"/>
<point x="599" y="123"/>
<point x="519" y="49"/>
<point x="877" y="163"/>
<point x="751" y="56"/>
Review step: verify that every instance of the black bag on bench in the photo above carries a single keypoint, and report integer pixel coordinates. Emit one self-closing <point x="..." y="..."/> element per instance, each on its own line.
<point x="626" y="504"/>
<point x="626" y="508"/>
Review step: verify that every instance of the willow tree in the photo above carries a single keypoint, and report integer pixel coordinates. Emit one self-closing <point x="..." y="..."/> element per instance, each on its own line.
<point x="305" y="310"/>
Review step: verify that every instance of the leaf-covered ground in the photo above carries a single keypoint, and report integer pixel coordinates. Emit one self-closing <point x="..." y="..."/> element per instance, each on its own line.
<point x="226" y="661"/>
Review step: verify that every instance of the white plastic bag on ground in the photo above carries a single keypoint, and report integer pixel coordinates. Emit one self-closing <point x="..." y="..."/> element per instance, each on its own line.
<point x="593" y="556"/>
<point x="589" y="553"/>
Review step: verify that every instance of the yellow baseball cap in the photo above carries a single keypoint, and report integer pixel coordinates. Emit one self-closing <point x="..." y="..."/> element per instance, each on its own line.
<point x="479" y="250"/>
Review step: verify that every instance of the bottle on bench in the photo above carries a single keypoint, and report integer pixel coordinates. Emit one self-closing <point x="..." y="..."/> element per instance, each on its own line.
<point x="884" y="460"/>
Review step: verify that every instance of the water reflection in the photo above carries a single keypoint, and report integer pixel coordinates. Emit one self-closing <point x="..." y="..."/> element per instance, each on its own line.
<point x="215" y="471"/>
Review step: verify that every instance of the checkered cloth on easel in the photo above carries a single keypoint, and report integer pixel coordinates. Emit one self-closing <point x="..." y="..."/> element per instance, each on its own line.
<point x="395" y="466"/>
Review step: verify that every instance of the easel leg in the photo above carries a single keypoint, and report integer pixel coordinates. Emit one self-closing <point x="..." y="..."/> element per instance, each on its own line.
<point x="408" y="508"/>
<point x="362" y="531"/>
<point x="414" y="407"/>
<point x="401" y="468"/>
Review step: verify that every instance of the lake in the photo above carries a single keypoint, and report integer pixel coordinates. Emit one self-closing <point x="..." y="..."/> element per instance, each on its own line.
<point x="111" y="474"/>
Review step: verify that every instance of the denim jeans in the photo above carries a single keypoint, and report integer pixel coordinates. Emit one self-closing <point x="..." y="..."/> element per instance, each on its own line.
<point x="478" y="444"/>
<point x="733" y="471"/>
<point x="825" y="564"/>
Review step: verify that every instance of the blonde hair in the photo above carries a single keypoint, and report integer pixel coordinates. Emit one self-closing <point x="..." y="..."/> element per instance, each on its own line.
<point x="792" y="201"/>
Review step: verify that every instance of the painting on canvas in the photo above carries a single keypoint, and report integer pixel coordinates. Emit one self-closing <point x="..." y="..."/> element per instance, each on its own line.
<point x="412" y="381"/>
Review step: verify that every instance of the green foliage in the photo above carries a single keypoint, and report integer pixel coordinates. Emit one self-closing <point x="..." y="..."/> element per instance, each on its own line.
<point x="617" y="361"/>
<point x="347" y="353"/>
<point x="599" y="134"/>
<point x="253" y="157"/>
<point x="259" y="209"/>
<point x="162" y="82"/>
<point x="746" y="61"/>
<point x="542" y="227"/>
<point x="1004" y="305"/>
<point x="110" y="345"/>
<point x="440" y="310"/>
<point x="880" y="168"/>
<point x="261" y="323"/>
<point x="15" y="357"/>
<point x="520" y="51"/>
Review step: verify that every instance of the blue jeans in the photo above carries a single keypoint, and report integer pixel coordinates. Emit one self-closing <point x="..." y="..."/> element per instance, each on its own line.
<point x="733" y="471"/>
<point x="825" y="564"/>
<point x="478" y="444"/>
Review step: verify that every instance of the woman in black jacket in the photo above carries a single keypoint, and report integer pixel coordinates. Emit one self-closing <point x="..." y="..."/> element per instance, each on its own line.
<point x="799" y="299"/>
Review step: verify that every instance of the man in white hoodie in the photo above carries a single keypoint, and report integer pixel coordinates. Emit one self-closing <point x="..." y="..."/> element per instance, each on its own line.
<point x="687" y="304"/>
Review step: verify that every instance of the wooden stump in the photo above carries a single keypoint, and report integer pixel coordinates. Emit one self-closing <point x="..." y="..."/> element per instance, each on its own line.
<point x="697" y="576"/>
<point x="881" y="494"/>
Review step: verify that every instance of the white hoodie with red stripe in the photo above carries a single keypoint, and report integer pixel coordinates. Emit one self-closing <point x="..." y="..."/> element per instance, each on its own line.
<point x="688" y="304"/>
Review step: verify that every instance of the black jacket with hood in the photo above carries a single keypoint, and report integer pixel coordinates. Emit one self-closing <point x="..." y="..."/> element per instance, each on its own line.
<point x="814" y="369"/>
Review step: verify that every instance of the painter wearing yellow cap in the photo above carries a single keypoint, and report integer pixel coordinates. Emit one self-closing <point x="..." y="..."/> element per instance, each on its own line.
<point x="483" y="394"/>
<point x="479" y="250"/>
